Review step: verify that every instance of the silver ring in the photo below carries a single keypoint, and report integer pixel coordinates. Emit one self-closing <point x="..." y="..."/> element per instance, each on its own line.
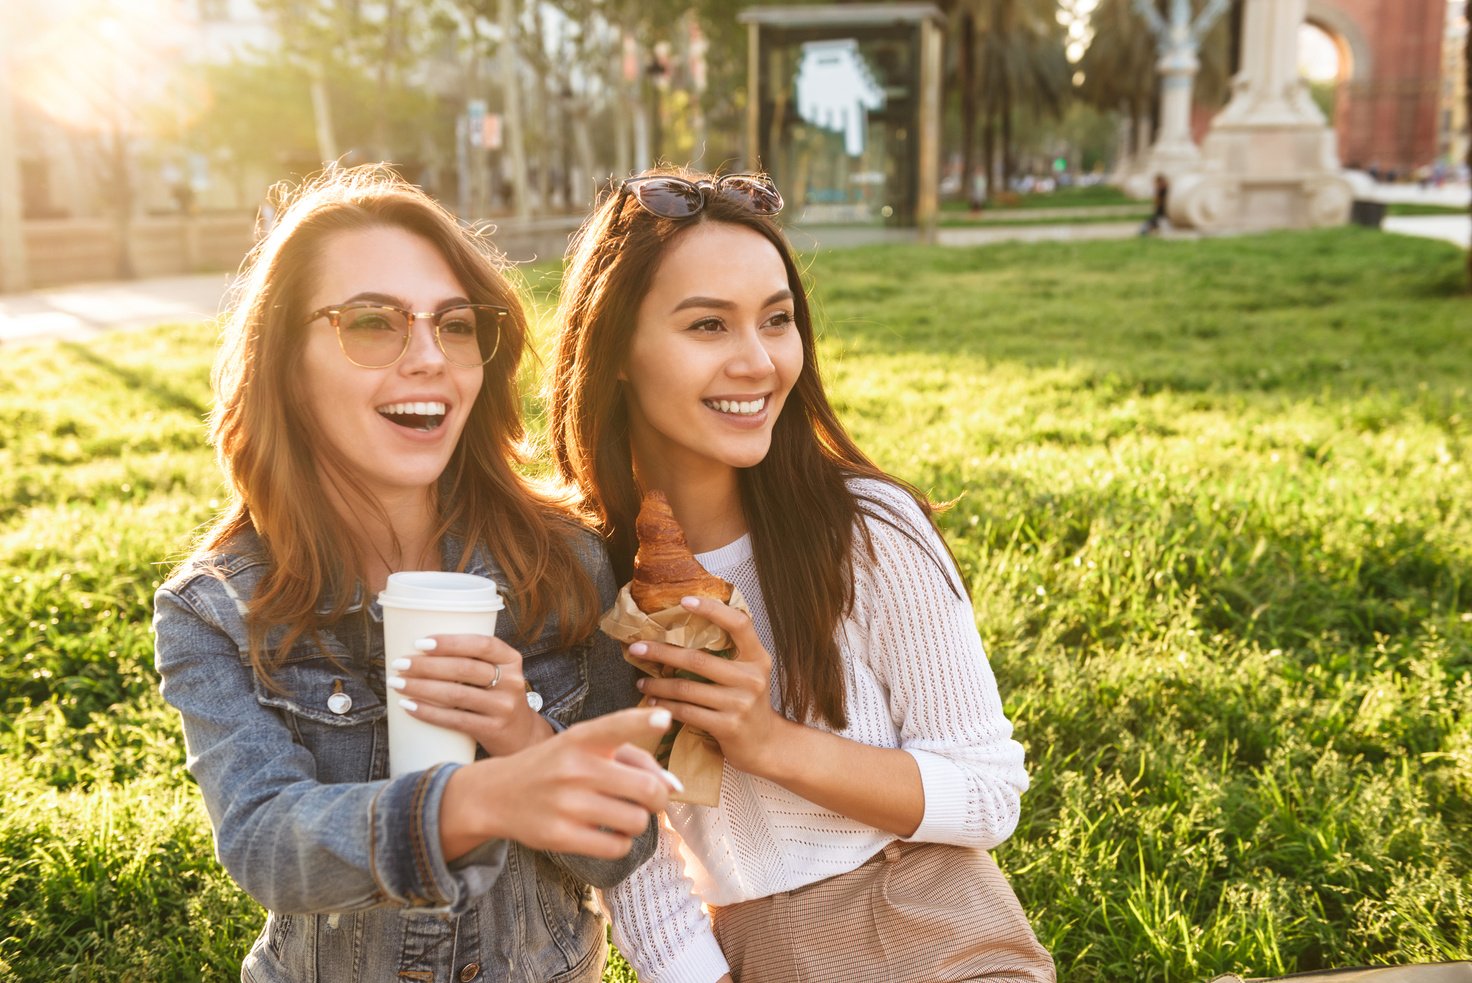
<point x="496" y="678"/>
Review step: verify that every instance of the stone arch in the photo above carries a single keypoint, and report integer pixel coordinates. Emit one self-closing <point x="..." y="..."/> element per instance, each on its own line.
<point x="1385" y="113"/>
<point x="1349" y="36"/>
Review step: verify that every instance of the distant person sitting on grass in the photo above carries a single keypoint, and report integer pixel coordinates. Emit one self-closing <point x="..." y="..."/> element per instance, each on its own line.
<point x="366" y="415"/>
<point x="869" y="765"/>
<point x="1158" y="219"/>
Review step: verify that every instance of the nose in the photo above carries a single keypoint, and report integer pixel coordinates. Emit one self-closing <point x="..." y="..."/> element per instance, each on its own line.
<point x="751" y="359"/>
<point x="424" y="354"/>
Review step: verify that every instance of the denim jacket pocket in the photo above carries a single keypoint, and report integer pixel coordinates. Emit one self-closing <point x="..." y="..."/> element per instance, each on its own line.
<point x="329" y="703"/>
<point x="560" y="677"/>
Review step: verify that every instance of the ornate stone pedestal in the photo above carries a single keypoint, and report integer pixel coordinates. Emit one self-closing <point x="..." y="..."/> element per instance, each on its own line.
<point x="1270" y="160"/>
<point x="1174" y="152"/>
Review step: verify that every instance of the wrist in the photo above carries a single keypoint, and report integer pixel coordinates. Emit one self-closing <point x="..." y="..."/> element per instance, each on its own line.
<point x="470" y="808"/>
<point x="525" y="729"/>
<point x="537" y="729"/>
<point x="780" y="752"/>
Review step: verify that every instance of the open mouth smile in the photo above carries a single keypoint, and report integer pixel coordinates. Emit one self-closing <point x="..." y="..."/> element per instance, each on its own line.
<point x="750" y="407"/>
<point x="423" y="417"/>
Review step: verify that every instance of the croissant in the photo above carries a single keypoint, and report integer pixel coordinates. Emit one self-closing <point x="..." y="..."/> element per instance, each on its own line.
<point x="664" y="568"/>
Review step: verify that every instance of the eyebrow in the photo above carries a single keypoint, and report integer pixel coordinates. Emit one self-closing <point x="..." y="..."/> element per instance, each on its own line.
<point x="374" y="297"/>
<point x="725" y="305"/>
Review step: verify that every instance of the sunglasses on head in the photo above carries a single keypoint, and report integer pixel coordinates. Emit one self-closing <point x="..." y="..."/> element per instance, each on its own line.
<point x="675" y="197"/>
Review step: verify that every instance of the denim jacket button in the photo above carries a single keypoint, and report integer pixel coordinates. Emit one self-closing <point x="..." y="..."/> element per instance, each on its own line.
<point x="534" y="700"/>
<point x="339" y="703"/>
<point x="470" y="972"/>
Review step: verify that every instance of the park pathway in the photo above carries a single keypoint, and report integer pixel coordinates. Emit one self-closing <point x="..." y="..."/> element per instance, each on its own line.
<point x="81" y="311"/>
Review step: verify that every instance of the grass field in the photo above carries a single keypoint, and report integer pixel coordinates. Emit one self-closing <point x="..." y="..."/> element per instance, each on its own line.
<point x="1212" y="502"/>
<point x="1077" y="196"/>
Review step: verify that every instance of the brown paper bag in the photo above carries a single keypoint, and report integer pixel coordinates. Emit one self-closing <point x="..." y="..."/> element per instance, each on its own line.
<point x="687" y="751"/>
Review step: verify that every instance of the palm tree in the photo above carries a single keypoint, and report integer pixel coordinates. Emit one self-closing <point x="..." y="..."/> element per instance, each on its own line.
<point x="1011" y="57"/>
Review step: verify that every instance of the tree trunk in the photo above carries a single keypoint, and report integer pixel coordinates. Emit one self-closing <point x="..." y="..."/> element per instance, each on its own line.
<point x="322" y="113"/>
<point x="1005" y="112"/>
<point x="968" y="109"/>
<point x="381" y="148"/>
<point x="515" y="137"/>
<point x="14" y="266"/>
<point x="989" y="141"/>
<point x="120" y="180"/>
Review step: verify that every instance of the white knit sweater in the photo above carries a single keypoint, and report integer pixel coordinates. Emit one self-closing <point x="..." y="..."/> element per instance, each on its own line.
<point x="917" y="679"/>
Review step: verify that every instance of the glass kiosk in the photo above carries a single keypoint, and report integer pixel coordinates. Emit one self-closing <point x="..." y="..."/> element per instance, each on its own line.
<point x="843" y="110"/>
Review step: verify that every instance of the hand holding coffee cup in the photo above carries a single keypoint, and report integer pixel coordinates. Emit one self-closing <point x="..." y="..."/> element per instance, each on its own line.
<point x="418" y="606"/>
<point x="471" y="684"/>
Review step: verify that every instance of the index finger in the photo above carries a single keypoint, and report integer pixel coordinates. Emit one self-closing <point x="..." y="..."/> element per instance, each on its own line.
<point x="736" y="623"/>
<point x="464" y="643"/>
<point x="612" y="730"/>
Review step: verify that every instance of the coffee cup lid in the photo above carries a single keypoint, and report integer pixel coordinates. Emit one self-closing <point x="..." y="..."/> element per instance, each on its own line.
<point x="434" y="590"/>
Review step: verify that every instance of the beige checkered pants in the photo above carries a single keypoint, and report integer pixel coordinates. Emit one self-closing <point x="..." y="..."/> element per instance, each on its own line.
<point x="913" y="913"/>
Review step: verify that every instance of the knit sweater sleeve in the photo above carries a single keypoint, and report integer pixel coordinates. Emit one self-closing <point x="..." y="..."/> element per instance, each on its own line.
<point x="658" y="923"/>
<point x="918" y="635"/>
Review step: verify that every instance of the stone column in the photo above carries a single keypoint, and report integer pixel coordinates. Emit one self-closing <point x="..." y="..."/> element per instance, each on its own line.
<point x="1179" y="40"/>
<point x="1270" y="160"/>
<point x="1178" y="67"/>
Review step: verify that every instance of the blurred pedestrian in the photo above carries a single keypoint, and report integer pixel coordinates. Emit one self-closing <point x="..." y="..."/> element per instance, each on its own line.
<point x="1158" y="219"/>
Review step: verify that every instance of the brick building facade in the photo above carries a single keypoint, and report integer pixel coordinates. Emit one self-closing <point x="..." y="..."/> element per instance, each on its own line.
<point x="1390" y="79"/>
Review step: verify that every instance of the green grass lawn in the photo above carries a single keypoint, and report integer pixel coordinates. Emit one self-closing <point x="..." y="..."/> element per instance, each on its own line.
<point x="1417" y="208"/>
<point x="1212" y="501"/>
<point x="1077" y="196"/>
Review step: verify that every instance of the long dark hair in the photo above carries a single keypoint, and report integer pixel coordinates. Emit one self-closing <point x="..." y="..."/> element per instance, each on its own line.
<point x="798" y="506"/>
<point x="278" y="465"/>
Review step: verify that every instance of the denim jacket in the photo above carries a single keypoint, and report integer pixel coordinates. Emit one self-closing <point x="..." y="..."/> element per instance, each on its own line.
<point x="347" y="860"/>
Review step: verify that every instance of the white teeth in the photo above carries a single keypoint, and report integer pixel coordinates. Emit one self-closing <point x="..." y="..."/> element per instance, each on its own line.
<point x="738" y="407"/>
<point x="417" y="409"/>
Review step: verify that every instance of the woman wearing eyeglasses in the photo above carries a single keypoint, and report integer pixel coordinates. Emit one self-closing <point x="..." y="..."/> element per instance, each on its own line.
<point x="366" y="418"/>
<point x="868" y="762"/>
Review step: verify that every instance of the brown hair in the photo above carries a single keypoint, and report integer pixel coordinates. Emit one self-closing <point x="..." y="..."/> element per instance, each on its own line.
<point x="798" y="507"/>
<point x="278" y="466"/>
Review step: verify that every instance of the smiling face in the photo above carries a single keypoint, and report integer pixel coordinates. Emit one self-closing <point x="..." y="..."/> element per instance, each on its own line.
<point x="394" y="427"/>
<point x="714" y="354"/>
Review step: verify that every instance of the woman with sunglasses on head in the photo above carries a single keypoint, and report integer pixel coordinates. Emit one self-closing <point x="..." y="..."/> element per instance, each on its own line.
<point x="868" y="763"/>
<point x="366" y="418"/>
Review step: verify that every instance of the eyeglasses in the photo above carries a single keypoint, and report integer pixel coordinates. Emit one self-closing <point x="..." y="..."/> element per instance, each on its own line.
<point x="675" y="197"/>
<point x="375" y="336"/>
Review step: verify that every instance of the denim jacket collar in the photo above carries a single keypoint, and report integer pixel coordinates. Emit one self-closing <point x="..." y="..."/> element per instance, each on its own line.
<point x="452" y="544"/>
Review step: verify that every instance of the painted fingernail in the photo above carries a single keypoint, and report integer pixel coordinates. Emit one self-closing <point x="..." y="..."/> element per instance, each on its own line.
<point x="426" y="644"/>
<point x="640" y="684"/>
<point x="691" y="603"/>
<point x="397" y="682"/>
<point x="660" y="719"/>
<point x="409" y="705"/>
<point x="401" y="664"/>
<point x="672" y="781"/>
<point x="638" y="648"/>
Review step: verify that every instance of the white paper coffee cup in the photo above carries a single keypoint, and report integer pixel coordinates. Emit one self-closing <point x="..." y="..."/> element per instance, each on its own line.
<point x="417" y="604"/>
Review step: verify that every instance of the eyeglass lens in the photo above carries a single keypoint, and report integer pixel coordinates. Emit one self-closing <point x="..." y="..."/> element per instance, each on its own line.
<point x="376" y="337"/>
